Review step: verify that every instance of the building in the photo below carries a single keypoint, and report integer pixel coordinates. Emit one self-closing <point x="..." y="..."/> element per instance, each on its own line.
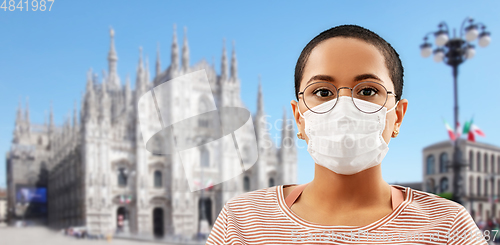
<point x="413" y="185"/>
<point x="3" y="206"/>
<point x="481" y="176"/>
<point x="98" y="173"/>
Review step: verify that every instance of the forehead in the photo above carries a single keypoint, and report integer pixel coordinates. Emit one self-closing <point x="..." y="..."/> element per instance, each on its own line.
<point x="344" y="59"/>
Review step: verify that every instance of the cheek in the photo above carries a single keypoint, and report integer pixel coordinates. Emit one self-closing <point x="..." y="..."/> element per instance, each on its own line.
<point x="389" y="127"/>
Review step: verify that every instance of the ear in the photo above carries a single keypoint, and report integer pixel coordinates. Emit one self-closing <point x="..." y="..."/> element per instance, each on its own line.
<point x="296" y="115"/>
<point x="400" y="113"/>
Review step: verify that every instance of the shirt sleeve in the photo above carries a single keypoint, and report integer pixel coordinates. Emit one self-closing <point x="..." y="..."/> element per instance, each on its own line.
<point x="465" y="231"/>
<point x="218" y="234"/>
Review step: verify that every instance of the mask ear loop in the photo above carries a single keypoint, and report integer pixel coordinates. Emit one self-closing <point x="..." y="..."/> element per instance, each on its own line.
<point x="391" y="108"/>
<point x="301" y="113"/>
<point x="298" y="108"/>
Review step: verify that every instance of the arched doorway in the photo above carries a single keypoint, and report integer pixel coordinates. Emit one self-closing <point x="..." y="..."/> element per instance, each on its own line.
<point x="158" y="225"/>
<point x="121" y="219"/>
<point x="208" y="209"/>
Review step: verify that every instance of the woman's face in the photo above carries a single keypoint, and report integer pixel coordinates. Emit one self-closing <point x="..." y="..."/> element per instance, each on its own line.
<point x="344" y="60"/>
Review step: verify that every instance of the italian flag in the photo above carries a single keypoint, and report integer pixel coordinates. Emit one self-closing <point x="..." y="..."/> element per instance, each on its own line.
<point x="450" y="131"/>
<point x="471" y="130"/>
<point x="474" y="128"/>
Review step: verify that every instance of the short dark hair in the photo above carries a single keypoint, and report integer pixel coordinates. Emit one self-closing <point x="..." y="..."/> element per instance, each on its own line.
<point x="392" y="60"/>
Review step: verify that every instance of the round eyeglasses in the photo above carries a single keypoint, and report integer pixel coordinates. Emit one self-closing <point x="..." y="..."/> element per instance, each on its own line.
<point x="320" y="92"/>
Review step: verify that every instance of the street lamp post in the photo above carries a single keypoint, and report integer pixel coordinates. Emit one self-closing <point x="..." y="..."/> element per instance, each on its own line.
<point x="454" y="52"/>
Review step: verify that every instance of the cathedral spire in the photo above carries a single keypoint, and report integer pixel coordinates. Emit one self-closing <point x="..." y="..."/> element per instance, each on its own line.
<point x="140" y="57"/>
<point x="90" y="81"/>
<point x="89" y="98"/>
<point x="158" y="63"/>
<point x="113" y="78"/>
<point x="128" y="95"/>
<point x="19" y="117"/>
<point x="291" y="132"/>
<point x="51" y="118"/>
<point x="139" y="82"/>
<point x="67" y="123"/>
<point x="75" y="116"/>
<point x="223" y="69"/>
<point x="234" y="64"/>
<point x="104" y="106"/>
<point x="127" y="85"/>
<point x="284" y="131"/>
<point x="260" y="99"/>
<point x="146" y="75"/>
<point x="27" y="116"/>
<point x="185" y="52"/>
<point x="174" y="63"/>
<point x="18" y="127"/>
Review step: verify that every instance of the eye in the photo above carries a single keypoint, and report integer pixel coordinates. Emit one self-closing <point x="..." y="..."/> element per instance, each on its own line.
<point x="323" y="92"/>
<point x="367" y="91"/>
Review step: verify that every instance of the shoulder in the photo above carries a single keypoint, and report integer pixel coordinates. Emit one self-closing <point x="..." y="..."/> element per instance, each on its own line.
<point x="444" y="216"/>
<point x="259" y="202"/>
<point x="261" y="197"/>
<point x="434" y="206"/>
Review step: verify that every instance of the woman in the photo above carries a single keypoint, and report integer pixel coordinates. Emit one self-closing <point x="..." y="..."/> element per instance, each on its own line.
<point x="348" y="84"/>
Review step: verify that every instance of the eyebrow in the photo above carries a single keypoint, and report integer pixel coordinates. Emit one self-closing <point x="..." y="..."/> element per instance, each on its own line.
<point x="358" y="78"/>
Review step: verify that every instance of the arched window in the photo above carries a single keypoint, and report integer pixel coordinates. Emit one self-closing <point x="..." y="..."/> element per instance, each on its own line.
<point x="485" y="163"/>
<point x="430" y="164"/>
<point x="271" y="182"/>
<point x="471" y="186"/>
<point x="480" y="210"/>
<point x="478" y="185"/>
<point x="122" y="177"/>
<point x="246" y="183"/>
<point x="498" y="164"/>
<point x="498" y="187"/>
<point x="204" y="157"/>
<point x="478" y="161"/>
<point x="471" y="160"/>
<point x="443" y="162"/>
<point x="158" y="179"/>
<point x="492" y="187"/>
<point x="492" y="163"/>
<point x="443" y="184"/>
<point x="486" y="187"/>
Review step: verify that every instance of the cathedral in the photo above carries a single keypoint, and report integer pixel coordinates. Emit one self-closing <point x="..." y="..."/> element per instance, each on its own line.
<point x="95" y="170"/>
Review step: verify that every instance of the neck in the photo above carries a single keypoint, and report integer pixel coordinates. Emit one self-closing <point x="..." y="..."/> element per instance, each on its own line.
<point x="363" y="189"/>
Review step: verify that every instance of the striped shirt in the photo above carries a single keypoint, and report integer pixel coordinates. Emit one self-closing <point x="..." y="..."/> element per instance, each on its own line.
<point x="262" y="217"/>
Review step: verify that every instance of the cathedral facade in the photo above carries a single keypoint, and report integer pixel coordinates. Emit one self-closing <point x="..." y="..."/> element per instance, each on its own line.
<point x="97" y="172"/>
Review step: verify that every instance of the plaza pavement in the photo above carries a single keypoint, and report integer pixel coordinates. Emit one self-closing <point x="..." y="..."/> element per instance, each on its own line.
<point x="42" y="235"/>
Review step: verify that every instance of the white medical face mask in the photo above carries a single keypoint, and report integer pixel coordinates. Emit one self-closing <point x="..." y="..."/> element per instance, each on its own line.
<point x="346" y="140"/>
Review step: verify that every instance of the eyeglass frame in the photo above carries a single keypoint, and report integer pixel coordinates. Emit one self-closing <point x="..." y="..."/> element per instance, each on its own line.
<point x="352" y="97"/>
